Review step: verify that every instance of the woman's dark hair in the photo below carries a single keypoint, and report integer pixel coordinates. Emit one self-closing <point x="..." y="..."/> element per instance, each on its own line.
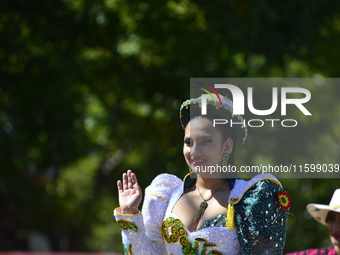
<point x="225" y="130"/>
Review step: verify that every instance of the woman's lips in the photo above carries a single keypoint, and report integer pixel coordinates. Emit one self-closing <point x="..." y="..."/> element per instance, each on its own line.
<point x="198" y="162"/>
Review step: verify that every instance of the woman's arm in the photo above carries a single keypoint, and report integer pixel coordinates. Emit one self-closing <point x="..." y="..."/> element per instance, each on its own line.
<point x="141" y="232"/>
<point x="262" y="219"/>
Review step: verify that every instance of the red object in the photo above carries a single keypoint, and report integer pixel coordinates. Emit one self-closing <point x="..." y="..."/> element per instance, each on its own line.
<point x="322" y="251"/>
<point x="284" y="200"/>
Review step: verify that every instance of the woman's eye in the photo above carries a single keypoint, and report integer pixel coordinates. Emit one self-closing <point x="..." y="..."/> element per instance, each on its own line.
<point x="206" y="140"/>
<point x="187" y="141"/>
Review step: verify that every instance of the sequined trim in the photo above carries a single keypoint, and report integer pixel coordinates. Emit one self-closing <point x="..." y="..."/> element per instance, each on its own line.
<point x="173" y="230"/>
<point x="218" y="221"/>
<point x="251" y="186"/>
<point x="126" y="215"/>
<point x="123" y="224"/>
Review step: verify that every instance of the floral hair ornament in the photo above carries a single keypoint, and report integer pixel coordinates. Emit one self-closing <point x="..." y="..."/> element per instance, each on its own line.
<point x="284" y="200"/>
<point x="221" y="107"/>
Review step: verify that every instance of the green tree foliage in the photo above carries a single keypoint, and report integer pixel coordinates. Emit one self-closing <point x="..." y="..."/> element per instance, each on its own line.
<point x="92" y="88"/>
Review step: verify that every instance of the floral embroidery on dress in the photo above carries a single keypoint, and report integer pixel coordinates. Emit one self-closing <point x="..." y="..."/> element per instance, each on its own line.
<point x="173" y="230"/>
<point x="129" y="250"/>
<point x="123" y="224"/>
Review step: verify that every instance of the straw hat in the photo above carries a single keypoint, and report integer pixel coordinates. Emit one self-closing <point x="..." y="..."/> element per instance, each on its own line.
<point x="319" y="212"/>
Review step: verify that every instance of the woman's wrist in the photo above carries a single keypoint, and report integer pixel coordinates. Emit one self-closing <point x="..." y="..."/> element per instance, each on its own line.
<point x="129" y="210"/>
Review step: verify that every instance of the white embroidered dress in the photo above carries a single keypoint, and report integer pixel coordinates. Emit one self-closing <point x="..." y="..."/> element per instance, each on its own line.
<point x="158" y="231"/>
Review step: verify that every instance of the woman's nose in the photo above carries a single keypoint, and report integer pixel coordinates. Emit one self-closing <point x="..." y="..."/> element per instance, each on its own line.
<point x="195" y="150"/>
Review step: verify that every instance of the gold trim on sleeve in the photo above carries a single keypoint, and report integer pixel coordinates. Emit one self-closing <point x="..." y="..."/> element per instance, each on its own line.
<point x="159" y="197"/>
<point x="126" y="215"/>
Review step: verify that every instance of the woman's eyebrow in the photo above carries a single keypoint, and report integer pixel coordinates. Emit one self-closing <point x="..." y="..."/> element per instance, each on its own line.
<point x="205" y="136"/>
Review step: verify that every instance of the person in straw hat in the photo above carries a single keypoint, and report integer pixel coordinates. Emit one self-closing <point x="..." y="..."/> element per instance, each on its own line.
<point x="205" y="213"/>
<point x="328" y="215"/>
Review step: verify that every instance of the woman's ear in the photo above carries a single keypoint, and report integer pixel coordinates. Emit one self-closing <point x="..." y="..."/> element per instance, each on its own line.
<point x="228" y="146"/>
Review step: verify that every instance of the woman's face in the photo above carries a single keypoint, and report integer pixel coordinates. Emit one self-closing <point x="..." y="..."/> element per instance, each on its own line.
<point x="333" y="224"/>
<point x="203" y="144"/>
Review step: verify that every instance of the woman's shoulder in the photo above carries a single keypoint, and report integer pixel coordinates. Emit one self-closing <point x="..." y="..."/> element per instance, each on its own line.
<point x="261" y="214"/>
<point x="262" y="185"/>
<point x="166" y="180"/>
<point x="164" y="185"/>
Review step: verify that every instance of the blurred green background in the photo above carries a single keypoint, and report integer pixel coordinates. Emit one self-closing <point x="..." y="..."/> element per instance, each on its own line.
<point x="90" y="89"/>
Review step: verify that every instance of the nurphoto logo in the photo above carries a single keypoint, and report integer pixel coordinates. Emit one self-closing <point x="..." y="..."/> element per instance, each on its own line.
<point x="238" y="104"/>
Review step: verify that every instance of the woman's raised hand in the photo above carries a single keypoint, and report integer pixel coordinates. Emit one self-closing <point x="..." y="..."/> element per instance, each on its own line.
<point x="130" y="194"/>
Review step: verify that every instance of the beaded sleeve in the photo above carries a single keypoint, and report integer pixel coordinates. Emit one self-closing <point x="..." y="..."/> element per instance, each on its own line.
<point x="261" y="219"/>
<point x="141" y="233"/>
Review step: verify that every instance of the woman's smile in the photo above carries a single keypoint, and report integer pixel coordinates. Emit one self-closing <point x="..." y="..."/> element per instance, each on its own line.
<point x="198" y="161"/>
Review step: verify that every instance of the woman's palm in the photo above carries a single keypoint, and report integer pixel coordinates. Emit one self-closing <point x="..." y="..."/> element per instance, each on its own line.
<point x="130" y="194"/>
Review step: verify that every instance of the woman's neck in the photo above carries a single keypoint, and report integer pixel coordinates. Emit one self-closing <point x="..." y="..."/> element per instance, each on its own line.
<point x="210" y="183"/>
